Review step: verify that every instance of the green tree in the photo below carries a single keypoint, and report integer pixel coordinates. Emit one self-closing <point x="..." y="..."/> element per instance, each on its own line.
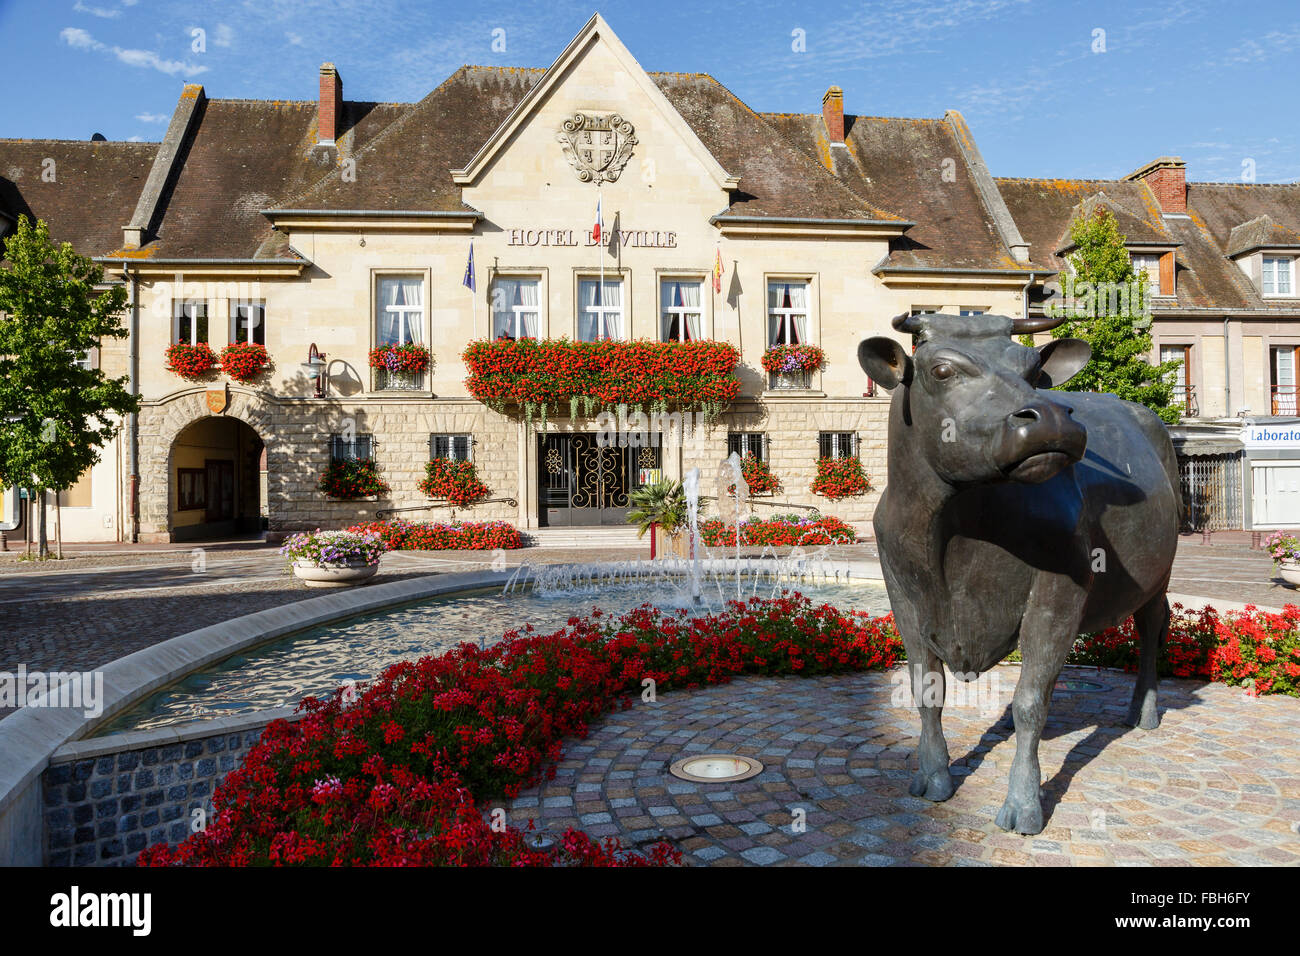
<point x="55" y="415"/>
<point x="1107" y="306"/>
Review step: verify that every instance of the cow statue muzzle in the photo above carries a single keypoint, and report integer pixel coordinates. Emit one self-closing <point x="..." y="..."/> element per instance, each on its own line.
<point x="1038" y="441"/>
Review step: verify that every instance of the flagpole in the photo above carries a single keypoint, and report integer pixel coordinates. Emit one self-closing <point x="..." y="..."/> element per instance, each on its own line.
<point x="600" y="221"/>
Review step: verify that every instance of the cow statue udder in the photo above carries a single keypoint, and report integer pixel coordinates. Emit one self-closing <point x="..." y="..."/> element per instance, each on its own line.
<point x="1013" y="516"/>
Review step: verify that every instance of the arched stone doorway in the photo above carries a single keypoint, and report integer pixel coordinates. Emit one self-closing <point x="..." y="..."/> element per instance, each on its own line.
<point x="242" y="431"/>
<point x="217" y="474"/>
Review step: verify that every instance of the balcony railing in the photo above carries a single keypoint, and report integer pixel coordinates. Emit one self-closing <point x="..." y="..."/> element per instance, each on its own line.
<point x="1284" y="399"/>
<point x="779" y="380"/>
<point x="390" y="381"/>
<point x="1184" y="399"/>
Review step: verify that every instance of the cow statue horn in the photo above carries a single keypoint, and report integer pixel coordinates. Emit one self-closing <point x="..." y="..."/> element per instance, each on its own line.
<point x="1025" y="325"/>
<point x="906" y="322"/>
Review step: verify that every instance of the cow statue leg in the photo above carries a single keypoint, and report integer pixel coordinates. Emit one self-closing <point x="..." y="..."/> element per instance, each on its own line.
<point x="933" y="779"/>
<point x="1152" y="620"/>
<point x="1045" y="641"/>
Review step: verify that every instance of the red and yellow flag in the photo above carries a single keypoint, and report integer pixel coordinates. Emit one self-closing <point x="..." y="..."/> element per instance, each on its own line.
<point x="717" y="271"/>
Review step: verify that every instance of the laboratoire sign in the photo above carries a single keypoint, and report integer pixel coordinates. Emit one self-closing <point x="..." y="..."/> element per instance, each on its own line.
<point x="597" y="145"/>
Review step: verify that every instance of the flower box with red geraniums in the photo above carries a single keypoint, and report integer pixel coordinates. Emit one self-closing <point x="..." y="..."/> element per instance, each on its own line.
<point x="403" y="773"/>
<point x="840" y="478"/>
<point x="778" y="531"/>
<point x="191" y="361"/>
<point x="351" y="479"/>
<point x="400" y="535"/>
<point x="547" y="375"/>
<point x="451" y="480"/>
<point x="410" y="358"/>
<point x="244" y="361"/>
<point x="758" y="477"/>
<point x="793" y="359"/>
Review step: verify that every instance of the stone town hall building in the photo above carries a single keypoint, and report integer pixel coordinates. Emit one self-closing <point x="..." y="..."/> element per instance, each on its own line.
<point x="346" y="225"/>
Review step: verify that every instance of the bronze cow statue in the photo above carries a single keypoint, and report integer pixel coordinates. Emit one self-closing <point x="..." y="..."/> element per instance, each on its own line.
<point x="1015" y="516"/>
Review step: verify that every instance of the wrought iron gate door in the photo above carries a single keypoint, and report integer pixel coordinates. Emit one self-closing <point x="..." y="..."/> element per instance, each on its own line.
<point x="582" y="483"/>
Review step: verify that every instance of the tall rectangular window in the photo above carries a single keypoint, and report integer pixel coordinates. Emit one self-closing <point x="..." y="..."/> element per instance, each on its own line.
<point x="452" y="447"/>
<point x="680" y="318"/>
<point x="837" y="444"/>
<point x="748" y="443"/>
<point x="516" y="312"/>
<point x="787" y="313"/>
<point x="399" y="311"/>
<point x="190" y="322"/>
<point x="1181" y="377"/>
<point x="600" y="309"/>
<point x="1278" y="277"/>
<point x="248" y="322"/>
<point x="350" y="448"/>
<point x="1284" y="379"/>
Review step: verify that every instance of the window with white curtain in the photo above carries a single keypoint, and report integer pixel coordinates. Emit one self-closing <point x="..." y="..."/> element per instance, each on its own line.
<point x="516" y="309"/>
<point x="787" y="312"/>
<point x="600" y="309"/>
<point x="399" y="313"/>
<point x="248" y="322"/>
<point x="1277" y="276"/>
<point x="191" y="322"/>
<point x="1151" y="263"/>
<point x="680" y="318"/>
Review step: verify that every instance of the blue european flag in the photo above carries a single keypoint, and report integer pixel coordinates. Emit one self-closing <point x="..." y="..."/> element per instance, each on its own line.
<point x="468" y="281"/>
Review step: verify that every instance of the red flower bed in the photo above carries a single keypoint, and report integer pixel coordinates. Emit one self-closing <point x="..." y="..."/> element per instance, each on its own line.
<point x="1251" y="648"/>
<point x="244" y="361"/>
<point x="793" y="359"/>
<point x="758" y="476"/>
<point x="352" y="478"/>
<point x="400" y="358"/>
<point x="190" y="361"/>
<point x="393" y="777"/>
<point x="550" y="374"/>
<point x="401" y="535"/>
<point x="840" y="478"/>
<point x="454" y="481"/>
<point x="777" y="531"/>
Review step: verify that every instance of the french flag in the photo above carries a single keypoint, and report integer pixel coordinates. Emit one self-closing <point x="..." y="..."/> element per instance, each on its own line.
<point x="599" y="227"/>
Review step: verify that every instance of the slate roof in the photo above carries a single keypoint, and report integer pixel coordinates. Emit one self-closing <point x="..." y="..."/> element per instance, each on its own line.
<point x="899" y="165"/>
<point x="1224" y="207"/>
<point x="94" y="192"/>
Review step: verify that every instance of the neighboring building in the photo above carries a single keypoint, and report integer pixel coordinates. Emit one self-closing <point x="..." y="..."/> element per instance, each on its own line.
<point x="1221" y="261"/>
<point x="347" y="225"/>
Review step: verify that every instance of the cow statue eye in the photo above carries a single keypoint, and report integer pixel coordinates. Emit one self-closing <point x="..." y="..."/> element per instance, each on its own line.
<point x="943" y="371"/>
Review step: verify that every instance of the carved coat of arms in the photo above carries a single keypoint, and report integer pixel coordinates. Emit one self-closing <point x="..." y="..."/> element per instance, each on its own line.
<point x="597" y="146"/>
<point x="217" y="400"/>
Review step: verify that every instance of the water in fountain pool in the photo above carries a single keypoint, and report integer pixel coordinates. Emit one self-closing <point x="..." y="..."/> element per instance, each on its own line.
<point x="317" y="661"/>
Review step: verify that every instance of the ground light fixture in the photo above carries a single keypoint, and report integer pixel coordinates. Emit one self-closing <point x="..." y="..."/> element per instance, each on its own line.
<point x="316" y="365"/>
<point x="716" y="768"/>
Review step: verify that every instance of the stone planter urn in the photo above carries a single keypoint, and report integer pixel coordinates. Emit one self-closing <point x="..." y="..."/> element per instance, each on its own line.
<point x="315" y="576"/>
<point x="1290" y="573"/>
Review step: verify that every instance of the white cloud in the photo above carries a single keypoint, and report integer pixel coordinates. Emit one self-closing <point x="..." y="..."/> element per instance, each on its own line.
<point x="224" y="35"/>
<point x="107" y="14"/>
<point x="79" y="39"/>
<point x="295" y="39"/>
<point x="152" y="117"/>
<point x="135" y="139"/>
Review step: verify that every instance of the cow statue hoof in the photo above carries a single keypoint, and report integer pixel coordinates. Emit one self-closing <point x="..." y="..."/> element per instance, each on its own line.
<point x="1021" y="815"/>
<point x="935" y="786"/>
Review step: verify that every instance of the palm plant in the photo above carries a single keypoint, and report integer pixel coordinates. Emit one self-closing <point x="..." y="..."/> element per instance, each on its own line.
<point x="662" y="504"/>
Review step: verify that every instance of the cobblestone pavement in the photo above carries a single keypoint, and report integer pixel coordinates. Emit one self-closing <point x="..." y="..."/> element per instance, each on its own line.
<point x="1217" y="784"/>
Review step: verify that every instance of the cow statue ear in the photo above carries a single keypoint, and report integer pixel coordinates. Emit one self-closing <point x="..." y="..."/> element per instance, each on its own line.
<point x="1061" y="360"/>
<point x="885" y="361"/>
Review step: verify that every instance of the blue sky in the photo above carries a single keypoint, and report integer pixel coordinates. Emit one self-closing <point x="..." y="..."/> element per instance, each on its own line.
<point x="1049" y="88"/>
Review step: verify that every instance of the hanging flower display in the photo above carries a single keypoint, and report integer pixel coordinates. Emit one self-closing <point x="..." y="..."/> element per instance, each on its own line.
<point x="190" y="361"/>
<point x="244" y="361"/>
<point x="410" y="358"/>
<point x="758" y="476"/>
<point x="546" y="375"/>
<point x="454" y="481"/>
<point x="793" y="359"/>
<point x="840" y="478"/>
<point x="352" y="478"/>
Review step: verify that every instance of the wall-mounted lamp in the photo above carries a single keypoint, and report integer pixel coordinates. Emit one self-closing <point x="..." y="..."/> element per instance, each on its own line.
<point x="316" y="365"/>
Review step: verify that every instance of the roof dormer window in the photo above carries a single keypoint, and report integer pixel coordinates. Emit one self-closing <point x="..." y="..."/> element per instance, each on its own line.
<point x="1278" y="276"/>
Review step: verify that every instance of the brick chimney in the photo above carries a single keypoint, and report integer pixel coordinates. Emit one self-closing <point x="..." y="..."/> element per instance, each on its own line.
<point x="331" y="104"/>
<point x="833" y="114"/>
<point x="1167" y="177"/>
